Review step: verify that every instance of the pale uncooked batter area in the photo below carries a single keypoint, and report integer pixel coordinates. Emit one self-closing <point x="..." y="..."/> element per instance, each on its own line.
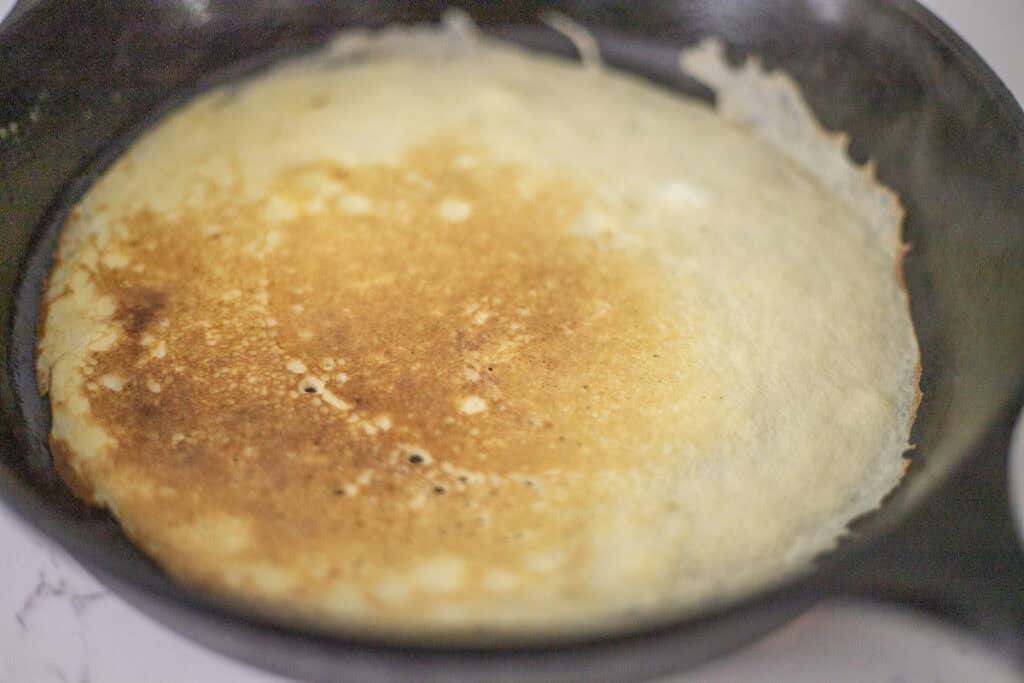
<point x="454" y="337"/>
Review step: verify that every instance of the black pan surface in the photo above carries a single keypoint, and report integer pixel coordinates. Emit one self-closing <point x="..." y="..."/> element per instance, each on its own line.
<point x="81" y="80"/>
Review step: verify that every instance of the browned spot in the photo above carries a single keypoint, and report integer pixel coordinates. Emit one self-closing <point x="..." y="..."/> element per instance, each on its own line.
<point x="138" y="307"/>
<point x="477" y="365"/>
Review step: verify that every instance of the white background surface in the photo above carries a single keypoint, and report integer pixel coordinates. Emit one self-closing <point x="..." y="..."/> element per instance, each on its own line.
<point x="57" y="624"/>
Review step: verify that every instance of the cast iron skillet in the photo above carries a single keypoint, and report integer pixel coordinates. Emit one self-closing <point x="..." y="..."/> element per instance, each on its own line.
<point x="78" y="80"/>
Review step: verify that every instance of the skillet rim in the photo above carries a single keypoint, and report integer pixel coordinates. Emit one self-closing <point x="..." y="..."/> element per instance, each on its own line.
<point x="35" y="512"/>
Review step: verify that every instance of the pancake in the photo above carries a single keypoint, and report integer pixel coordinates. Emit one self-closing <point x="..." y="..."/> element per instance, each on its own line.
<point x="441" y="335"/>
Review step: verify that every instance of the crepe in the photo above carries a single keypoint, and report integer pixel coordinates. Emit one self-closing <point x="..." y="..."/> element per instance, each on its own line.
<point x="423" y="334"/>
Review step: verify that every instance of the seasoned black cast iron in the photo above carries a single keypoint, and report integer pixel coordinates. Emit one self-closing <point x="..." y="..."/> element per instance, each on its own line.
<point x="79" y="79"/>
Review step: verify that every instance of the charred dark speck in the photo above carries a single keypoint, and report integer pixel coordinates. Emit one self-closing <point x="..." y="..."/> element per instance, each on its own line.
<point x="148" y="411"/>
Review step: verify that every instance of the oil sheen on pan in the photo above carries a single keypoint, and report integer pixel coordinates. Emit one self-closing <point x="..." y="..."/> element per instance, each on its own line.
<point x="455" y="337"/>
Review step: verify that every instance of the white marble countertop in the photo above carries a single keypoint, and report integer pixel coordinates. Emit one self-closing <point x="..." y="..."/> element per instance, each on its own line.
<point x="57" y="624"/>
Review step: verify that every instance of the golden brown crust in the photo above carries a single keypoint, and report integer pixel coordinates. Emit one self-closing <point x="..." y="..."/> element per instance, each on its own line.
<point x="440" y="362"/>
<point x="465" y="365"/>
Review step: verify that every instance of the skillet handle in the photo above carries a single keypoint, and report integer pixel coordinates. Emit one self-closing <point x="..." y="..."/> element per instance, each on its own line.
<point x="959" y="556"/>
